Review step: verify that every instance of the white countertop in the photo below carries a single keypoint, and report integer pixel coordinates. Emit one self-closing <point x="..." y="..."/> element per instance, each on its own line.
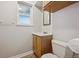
<point x="41" y="33"/>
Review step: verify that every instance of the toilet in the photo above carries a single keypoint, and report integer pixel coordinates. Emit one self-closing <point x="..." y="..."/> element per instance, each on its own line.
<point x="60" y="50"/>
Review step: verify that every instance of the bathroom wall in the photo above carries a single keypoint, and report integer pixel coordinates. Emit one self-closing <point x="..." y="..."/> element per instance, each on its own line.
<point x="16" y="39"/>
<point x="66" y="23"/>
<point x="37" y="20"/>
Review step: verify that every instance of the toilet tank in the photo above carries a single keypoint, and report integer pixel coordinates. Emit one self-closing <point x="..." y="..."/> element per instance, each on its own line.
<point x="60" y="49"/>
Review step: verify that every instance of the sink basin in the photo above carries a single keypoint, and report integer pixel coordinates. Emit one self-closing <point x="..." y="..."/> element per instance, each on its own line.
<point x="74" y="45"/>
<point x="42" y="33"/>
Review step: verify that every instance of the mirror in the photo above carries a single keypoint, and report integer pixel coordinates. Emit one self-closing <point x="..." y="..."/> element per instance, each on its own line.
<point x="46" y="18"/>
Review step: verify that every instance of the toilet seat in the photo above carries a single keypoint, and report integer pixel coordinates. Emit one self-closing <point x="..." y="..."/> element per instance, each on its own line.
<point x="49" y="55"/>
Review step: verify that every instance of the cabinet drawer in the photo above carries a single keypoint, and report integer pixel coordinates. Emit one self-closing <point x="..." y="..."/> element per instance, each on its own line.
<point x="47" y="37"/>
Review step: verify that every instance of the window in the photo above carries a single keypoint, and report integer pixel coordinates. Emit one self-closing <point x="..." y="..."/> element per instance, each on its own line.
<point x="24" y="13"/>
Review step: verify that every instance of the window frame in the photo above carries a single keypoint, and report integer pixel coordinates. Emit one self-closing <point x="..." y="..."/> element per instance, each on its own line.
<point x="31" y="14"/>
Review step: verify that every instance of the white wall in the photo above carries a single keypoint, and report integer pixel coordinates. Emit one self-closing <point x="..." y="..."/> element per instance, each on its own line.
<point x="15" y="39"/>
<point x="37" y="20"/>
<point x="65" y="23"/>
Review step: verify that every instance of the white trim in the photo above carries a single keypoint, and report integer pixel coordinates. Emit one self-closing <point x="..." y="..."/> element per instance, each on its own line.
<point x="22" y="55"/>
<point x="25" y="25"/>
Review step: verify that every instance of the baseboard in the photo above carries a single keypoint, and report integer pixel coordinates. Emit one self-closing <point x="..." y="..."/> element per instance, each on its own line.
<point x="22" y="55"/>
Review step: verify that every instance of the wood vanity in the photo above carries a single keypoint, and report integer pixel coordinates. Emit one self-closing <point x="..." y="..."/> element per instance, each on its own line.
<point x="42" y="44"/>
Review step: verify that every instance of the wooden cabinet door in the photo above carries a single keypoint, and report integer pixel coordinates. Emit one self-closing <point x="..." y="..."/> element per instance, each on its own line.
<point x="38" y="46"/>
<point x="34" y="44"/>
<point x="46" y="45"/>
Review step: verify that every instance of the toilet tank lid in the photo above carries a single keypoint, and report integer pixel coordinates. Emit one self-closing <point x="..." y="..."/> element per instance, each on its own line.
<point x="64" y="44"/>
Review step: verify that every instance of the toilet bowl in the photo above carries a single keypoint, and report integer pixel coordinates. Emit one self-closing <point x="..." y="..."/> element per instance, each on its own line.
<point x="60" y="50"/>
<point x="49" y="55"/>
